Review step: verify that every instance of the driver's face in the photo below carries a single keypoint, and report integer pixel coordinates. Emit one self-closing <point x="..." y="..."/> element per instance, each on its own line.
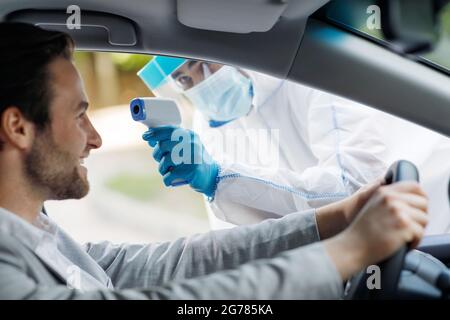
<point x="54" y="163"/>
<point x="192" y="73"/>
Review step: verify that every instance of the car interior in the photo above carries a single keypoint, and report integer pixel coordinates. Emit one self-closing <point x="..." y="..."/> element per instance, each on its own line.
<point x="312" y="42"/>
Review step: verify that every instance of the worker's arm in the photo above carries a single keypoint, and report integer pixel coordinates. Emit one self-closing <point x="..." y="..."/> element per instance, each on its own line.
<point x="345" y="139"/>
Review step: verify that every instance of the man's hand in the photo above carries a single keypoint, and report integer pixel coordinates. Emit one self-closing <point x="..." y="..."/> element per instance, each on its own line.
<point x="353" y="204"/>
<point x="394" y="216"/>
<point x="335" y="217"/>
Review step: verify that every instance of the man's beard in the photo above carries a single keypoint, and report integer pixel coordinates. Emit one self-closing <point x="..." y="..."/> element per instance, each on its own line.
<point x="54" y="171"/>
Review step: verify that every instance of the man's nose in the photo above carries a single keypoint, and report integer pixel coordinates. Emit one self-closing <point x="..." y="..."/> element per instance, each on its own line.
<point x="94" y="138"/>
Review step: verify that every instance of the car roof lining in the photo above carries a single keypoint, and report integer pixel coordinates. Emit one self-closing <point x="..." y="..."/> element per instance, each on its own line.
<point x="283" y="51"/>
<point x="160" y="32"/>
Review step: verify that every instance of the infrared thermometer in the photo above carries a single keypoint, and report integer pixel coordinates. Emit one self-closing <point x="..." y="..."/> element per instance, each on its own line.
<point x="157" y="112"/>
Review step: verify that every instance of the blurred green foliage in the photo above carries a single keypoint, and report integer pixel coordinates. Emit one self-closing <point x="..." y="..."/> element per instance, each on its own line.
<point x="441" y="53"/>
<point x="130" y="62"/>
<point x="81" y="55"/>
<point x="446" y="19"/>
<point x="138" y="187"/>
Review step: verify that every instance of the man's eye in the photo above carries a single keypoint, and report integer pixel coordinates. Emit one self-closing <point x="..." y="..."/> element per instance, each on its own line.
<point x="81" y="115"/>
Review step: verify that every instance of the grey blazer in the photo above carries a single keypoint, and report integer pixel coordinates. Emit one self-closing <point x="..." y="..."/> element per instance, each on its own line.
<point x="275" y="259"/>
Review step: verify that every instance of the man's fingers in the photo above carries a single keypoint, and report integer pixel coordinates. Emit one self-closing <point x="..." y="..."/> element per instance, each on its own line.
<point x="416" y="232"/>
<point x="416" y="215"/>
<point x="406" y="186"/>
<point x="405" y="213"/>
<point x="410" y="220"/>
<point x="370" y="187"/>
<point x="411" y="199"/>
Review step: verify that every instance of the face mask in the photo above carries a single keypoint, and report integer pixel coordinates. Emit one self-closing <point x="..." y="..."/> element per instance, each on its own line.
<point x="223" y="96"/>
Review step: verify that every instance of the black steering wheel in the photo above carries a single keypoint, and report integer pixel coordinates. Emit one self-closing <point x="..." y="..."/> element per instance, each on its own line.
<point x="391" y="268"/>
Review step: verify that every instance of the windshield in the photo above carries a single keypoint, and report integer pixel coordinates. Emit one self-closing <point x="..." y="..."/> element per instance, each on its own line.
<point x="356" y="14"/>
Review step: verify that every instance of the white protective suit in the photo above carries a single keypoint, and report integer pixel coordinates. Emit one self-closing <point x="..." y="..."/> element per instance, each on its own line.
<point x="328" y="147"/>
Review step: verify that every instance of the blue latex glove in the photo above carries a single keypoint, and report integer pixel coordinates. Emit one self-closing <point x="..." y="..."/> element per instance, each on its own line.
<point x="197" y="168"/>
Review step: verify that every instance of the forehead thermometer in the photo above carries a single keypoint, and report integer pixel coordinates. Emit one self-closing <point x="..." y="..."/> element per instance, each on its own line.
<point x="157" y="112"/>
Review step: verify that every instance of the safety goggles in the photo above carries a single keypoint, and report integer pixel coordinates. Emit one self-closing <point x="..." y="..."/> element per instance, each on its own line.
<point x="170" y="77"/>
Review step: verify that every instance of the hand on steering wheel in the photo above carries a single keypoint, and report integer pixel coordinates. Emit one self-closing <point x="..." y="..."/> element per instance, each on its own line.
<point x="390" y="268"/>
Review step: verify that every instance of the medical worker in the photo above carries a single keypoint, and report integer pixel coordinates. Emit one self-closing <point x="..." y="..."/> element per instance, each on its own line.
<point x="292" y="147"/>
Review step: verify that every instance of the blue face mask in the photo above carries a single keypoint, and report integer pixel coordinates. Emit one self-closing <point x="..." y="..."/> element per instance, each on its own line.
<point x="223" y="96"/>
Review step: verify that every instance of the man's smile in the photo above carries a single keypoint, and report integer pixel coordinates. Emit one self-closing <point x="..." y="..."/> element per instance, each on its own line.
<point x="81" y="165"/>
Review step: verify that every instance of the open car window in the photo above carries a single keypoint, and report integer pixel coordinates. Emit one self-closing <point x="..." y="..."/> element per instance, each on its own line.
<point x="355" y="14"/>
<point x="128" y="201"/>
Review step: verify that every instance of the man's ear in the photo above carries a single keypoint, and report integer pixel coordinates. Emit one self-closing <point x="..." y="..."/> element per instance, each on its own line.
<point x="16" y="130"/>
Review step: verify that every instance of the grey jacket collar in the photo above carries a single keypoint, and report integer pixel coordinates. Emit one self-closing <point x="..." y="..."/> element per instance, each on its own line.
<point x="28" y="234"/>
<point x="49" y="244"/>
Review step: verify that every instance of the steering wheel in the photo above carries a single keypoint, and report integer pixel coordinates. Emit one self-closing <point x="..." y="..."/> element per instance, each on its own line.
<point x="391" y="268"/>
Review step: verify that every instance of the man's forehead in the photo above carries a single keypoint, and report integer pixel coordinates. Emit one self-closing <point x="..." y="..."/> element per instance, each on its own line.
<point x="67" y="85"/>
<point x="63" y="70"/>
<point x="64" y="75"/>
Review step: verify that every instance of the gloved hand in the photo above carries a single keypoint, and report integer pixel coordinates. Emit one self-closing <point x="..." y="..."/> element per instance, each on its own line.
<point x="184" y="159"/>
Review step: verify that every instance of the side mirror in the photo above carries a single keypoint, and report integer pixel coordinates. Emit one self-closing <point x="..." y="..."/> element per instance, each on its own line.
<point x="411" y="26"/>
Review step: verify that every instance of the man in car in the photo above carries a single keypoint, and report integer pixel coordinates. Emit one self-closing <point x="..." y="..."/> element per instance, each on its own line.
<point x="45" y="134"/>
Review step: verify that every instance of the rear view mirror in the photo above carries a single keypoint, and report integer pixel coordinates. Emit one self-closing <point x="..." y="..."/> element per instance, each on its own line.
<point x="412" y="26"/>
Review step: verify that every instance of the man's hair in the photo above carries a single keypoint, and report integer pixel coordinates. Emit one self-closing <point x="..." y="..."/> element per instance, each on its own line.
<point x="25" y="53"/>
